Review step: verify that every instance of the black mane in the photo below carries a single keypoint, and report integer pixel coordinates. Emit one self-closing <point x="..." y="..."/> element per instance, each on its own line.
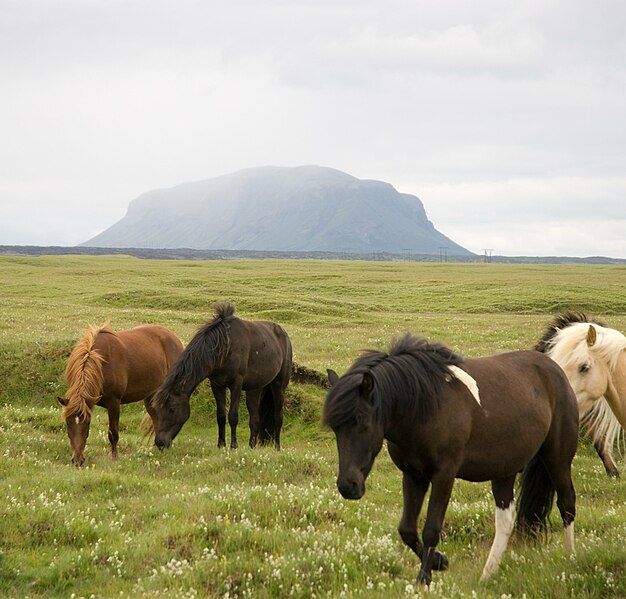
<point x="562" y="321"/>
<point x="203" y="353"/>
<point x="406" y="379"/>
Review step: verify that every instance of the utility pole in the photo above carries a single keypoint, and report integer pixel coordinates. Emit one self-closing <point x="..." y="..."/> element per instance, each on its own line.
<point x="487" y="254"/>
<point x="443" y="253"/>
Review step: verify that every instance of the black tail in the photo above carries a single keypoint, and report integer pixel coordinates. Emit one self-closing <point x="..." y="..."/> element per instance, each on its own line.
<point x="267" y="426"/>
<point x="536" y="499"/>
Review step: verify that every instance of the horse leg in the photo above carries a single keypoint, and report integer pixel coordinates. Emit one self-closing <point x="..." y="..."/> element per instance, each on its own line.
<point x="233" y="412"/>
<point x="560" y="472"/>
<point x="607" y="459"/>
<point x="442" y="484"/>
<point x="252" y="401"/>
<point x="502" y="490"/>
<point x="557" y="455"/>
<point x="278" y="393"/>
<point x="602" y="450"/>
<point x="220" y="399"/>
<point x="413" y="492"/>
<point x="114" y="427"/>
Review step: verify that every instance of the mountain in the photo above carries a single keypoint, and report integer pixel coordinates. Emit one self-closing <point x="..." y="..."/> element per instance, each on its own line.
<point x="306" y="208"/>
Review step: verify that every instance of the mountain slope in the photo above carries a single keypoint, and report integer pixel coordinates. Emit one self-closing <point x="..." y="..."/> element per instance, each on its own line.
<point x="306" y="208"/>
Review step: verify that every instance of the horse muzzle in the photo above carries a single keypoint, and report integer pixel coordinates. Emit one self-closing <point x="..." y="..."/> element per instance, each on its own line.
<point x="351" y="488"/>
<point x="163" y="441"/>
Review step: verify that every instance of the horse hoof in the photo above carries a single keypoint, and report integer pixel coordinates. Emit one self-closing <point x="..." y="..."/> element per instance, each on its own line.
<point x="233" y="445"/>
<point x="440" y="562"/>
<point x="221" y="445"/>
<point x="613" y="472"/>
<point x="423" y="578"/>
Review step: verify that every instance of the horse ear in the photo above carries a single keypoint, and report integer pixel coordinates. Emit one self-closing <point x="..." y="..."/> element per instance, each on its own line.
<point x="333" y="377"/>
<point x="367" y="385"/>
<point x="62" y="400"/>
<point x="592" y="335"/>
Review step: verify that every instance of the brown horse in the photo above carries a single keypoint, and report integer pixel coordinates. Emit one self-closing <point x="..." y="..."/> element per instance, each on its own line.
<point x="107" y="369"/>
<point x="236" y="355"/>
<point x="444" y="418"/>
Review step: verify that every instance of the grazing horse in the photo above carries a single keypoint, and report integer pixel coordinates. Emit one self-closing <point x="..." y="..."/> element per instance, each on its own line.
<point x="235" y="355"/>
<point x="593" y="357"/>
<point x="107" y="369"/>
<point x="444" y="418"/>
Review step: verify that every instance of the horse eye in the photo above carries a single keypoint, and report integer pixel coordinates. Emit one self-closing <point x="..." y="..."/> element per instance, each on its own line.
<point x="583" y="368"/>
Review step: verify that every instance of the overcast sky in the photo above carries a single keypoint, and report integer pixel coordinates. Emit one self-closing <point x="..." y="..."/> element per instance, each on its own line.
<point x="508" y="119"/>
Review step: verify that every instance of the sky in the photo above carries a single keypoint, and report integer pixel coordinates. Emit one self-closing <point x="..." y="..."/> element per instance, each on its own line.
<point x="507" y="118"/>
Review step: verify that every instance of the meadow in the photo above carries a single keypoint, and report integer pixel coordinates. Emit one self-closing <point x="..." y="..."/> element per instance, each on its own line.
<point x="196" y="521"/>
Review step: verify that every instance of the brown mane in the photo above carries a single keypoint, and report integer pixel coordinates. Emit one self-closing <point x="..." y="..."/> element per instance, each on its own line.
<point x="84" y="374"/>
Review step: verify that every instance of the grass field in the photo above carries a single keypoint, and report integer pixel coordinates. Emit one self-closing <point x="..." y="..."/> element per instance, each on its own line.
<point x="197" y="521"/>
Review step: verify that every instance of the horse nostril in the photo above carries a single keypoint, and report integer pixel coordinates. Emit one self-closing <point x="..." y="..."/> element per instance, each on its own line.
<point x="349" y="489"/>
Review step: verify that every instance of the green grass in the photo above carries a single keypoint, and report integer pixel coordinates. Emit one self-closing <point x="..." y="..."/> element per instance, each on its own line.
<point x="195" y="521"/>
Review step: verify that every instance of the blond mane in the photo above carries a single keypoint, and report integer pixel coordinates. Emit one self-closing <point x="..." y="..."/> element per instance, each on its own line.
<point x="84" y="374"/>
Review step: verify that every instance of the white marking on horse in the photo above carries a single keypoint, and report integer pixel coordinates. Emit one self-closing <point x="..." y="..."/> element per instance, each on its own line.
<point x="569" y="538"/>
<point x="77" y="420"/>
<point x="467" y="380"/>
<point x="505" y="518"/>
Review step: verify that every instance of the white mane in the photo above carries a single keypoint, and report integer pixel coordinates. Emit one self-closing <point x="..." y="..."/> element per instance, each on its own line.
<point x="569" y="345"/>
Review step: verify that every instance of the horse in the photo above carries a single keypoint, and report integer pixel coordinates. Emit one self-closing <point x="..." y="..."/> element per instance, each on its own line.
<point x="593" y="357"/>
<point x="445" y="417"/>
<point x="109" y="368"/>
<point x="235" y="355"/>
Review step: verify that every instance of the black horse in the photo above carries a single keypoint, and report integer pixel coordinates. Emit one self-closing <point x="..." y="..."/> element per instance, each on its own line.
<point x="446" y="418"/>
<point x="234" y="354"/>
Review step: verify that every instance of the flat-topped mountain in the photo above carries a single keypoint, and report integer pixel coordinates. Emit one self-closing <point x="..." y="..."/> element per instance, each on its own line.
<point x="306" y="208"/>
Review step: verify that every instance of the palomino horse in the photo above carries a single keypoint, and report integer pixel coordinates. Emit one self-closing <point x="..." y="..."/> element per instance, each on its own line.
<point x="445" y="418"/>
<point x="107" y="369"/>
<point x="594" y="360"/>
<point x="234" y="354"/>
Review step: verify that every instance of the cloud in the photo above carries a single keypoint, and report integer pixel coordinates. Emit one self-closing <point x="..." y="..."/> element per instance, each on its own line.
<point x="561" y="216"/>
<point x="508" y="110"/>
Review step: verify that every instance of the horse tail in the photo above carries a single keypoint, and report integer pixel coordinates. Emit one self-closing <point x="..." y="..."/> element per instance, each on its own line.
<point x="84" y="374"/>
<point x="146" y="427"/>
<point x="536" y="499"/>
<point x="303" y="374"/>
<point x="267" y="425"/>
<point x="604" y="428"/>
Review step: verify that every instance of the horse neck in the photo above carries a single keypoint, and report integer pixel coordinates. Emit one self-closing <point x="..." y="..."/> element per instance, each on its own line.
<point x="400" y="425"/>
<point x="187" y="383"/>
<point x="85" y="376"/>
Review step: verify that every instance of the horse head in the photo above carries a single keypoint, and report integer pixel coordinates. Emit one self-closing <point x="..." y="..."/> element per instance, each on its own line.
<point x="359" y="437"/>
<point x="77" y="427"/>
<point x="172" y="411"/>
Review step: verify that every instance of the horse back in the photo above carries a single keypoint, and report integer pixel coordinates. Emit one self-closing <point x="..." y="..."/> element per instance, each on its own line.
<point x="260" y="350"/>
<point x="136" y="360"/>
<point x="524" y="396"/>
